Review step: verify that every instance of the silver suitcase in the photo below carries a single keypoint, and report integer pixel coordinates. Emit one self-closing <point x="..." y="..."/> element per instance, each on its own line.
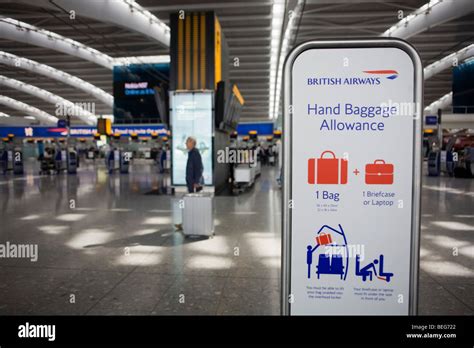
<point x="198" y="214"/>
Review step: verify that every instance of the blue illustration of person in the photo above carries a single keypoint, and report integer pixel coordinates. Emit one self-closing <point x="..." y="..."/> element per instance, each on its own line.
<point x="366" y="271"/>
<point x="370" y="270"/>
<point x="309" y="257"/>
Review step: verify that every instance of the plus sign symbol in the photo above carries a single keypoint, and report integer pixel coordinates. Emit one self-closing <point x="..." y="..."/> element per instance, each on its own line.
<point x="356" y="171"/>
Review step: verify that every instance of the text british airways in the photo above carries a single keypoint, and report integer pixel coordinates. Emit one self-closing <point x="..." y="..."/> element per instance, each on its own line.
<point x="329" y="81"/>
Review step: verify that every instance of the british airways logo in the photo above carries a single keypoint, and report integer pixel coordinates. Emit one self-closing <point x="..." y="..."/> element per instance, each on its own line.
<point x="374" y="77"/>
<point x="62" y="131"/>
<point x="388" y="74"/>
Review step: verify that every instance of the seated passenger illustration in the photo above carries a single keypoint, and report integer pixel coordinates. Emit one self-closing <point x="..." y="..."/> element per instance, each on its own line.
<point x="366" y="271"/>
<point x="370" y="270"/>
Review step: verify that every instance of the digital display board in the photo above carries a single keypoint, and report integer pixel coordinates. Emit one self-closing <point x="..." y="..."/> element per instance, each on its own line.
<point x="463" y="88"/>
<point x="140" y="93"/>
<point x="191" y="115"/>
<point x="431" y="120"/>
<point x="261" y="128"/>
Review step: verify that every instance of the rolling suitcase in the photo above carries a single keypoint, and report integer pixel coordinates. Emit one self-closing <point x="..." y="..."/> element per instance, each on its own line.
<point x="198" y="214"/>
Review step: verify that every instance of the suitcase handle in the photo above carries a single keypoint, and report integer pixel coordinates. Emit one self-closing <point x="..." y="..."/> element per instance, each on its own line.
<point x="379" y="161"/>
<point x="332" y="153"/>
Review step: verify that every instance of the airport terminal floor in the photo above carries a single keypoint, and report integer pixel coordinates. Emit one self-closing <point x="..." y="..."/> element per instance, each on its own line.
<point x="117" y="249"/>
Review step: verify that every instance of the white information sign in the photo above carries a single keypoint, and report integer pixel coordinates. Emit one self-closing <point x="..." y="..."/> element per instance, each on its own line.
<point x="191" y="115"/>
<point x="352" y="178"/>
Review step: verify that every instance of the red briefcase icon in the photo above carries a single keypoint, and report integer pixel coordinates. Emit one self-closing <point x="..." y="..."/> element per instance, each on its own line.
<point x="379" y="173"/>
<point x="324" y="239"/>
<point x="329" y="170"/>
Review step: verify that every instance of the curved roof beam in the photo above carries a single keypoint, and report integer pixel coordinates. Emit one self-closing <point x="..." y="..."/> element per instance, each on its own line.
<point x="2" y="114"/>
<point x="12" y="29"/>
<point x="431" y="14"/>
<point x="69" y="107"/>
<point x="447" y="62"/>
<point x="40" y="115"/>
<point x="441" y="103"/>
<point x="124" y="13"/>
<point x="280" y="45"/>
<point x="46" y="70"/>
<point x="278" y="15"/>
<point x="142" y="60"/>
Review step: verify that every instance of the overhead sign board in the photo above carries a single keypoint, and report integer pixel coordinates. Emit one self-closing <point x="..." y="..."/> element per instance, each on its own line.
<point x="262" y="128"/>
<point x="431" y="120"/>
<point x="82" y="131"/>
<point x="352" y="133"/>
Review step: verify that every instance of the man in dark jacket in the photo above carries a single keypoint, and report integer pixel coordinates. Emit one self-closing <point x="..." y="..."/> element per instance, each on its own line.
<point x="194" y="167"/>
<point x="194" y="170"/>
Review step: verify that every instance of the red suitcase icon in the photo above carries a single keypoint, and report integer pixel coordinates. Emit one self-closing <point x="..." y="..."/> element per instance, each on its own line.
<point x="329" y="170"/>
<point x="379" y="173"/>
<point x="324" y="239"/>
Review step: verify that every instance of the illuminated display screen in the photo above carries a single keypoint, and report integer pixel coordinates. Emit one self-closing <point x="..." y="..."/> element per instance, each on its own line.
<point x="140" y="92"/>
<point x="431" y="120"/>
<point x="138" y="88"/>
<point x="463" y="88"/>
<point x="191" y="115"/>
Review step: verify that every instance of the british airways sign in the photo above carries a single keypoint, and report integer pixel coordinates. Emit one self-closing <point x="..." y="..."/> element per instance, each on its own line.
<point x="53" y="132"/>
<point x="369" y="77"/>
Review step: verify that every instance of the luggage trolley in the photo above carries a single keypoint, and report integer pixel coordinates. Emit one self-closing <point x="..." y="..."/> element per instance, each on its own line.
<point x="47" y="166"/>
<point x="47" y="161"/>
<point x="244" y="177"/>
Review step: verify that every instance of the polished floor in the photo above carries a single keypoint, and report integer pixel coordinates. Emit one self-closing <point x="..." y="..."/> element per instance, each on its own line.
<point x="447" y="246"/>
<point x="106" y="247"/>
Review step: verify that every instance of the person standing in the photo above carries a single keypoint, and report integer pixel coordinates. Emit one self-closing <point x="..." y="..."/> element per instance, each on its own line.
<point x="194" y="170"/>
<point x="194" y="167"/>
